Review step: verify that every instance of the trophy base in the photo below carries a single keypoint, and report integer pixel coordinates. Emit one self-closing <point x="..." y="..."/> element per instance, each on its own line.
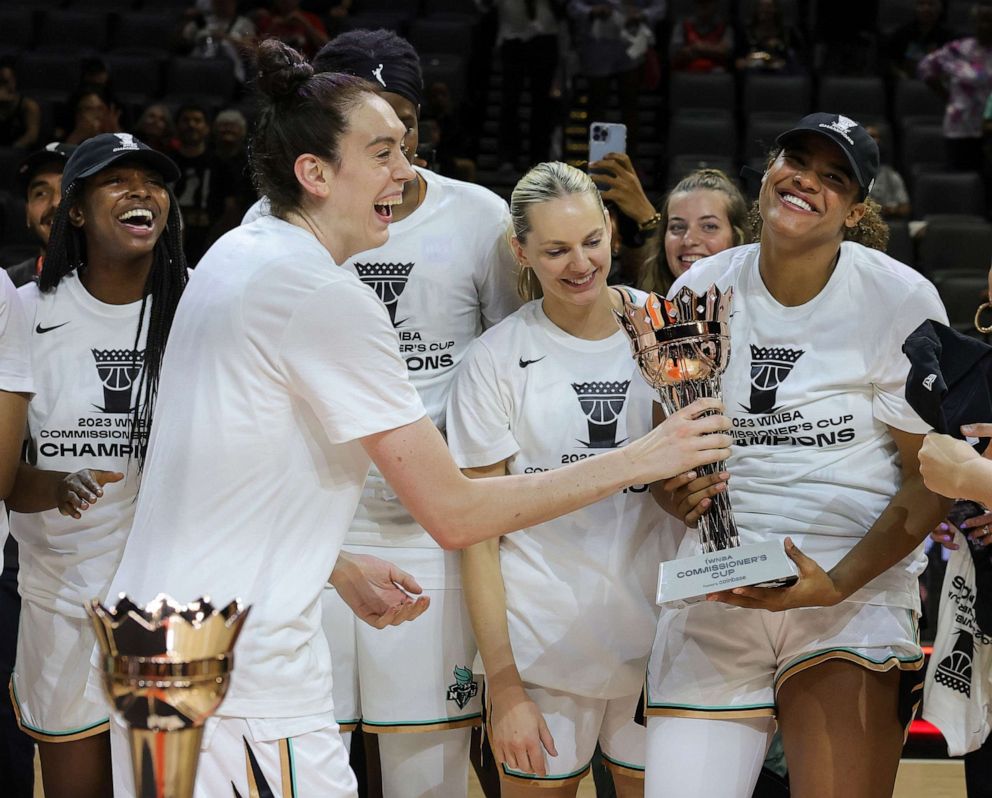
<point x="757" y="565"/>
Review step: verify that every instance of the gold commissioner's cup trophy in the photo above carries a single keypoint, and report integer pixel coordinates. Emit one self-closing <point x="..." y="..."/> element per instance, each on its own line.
<point x="166" y="668"/>
<point x="682" y="347"/>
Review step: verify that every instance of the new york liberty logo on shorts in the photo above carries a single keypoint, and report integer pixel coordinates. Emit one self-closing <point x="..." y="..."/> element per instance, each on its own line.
<point x="388" y="280"/>
<point x="465" y="687"/>
<point x="118" y="370"/>
<point x="769" y="368"/>
<point x="601" y="403"/>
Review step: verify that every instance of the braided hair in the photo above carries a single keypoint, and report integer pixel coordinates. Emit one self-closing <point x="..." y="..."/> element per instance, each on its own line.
<point x="165" y="283"/>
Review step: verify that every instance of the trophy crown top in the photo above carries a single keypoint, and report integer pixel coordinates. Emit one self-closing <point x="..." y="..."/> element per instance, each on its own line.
<point x="657" y="313"/>
<point x="165" y="628"/>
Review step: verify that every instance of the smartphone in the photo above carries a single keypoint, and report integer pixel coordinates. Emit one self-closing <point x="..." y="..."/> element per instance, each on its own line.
<point x="606" y="137"/>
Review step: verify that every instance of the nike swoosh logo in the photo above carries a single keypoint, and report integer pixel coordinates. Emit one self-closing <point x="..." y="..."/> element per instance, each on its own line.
<point x="42" y="330"/>
<point x="525" y="363"/>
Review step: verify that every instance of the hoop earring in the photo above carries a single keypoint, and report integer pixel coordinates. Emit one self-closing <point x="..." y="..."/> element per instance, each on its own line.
<point x="978" y="314"/>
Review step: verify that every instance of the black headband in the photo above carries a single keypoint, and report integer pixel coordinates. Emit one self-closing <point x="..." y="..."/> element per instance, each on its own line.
<point x="398" y="77"/>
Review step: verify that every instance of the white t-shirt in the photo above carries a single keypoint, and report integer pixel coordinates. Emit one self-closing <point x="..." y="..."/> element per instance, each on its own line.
<point x="15" y="360"/>
<point x="811" y="390"/>
<point x="278" y="363"/>
<point x="579" y="589"/>
<point x="445" y="274"/>
<point x="86" y="380"/>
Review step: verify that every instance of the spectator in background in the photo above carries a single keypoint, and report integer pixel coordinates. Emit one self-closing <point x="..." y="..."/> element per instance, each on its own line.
<point x="94" y="72"/>
<point x="889" y="190"/>
<point x="229" y="133"/>
<point x="702" y="41"/>
<point x="961" y="73"/>
<point x="20" y="116"/>
<point x="634" y="220"/>
<point x="909" y="43"/>
<point x="528" y="49"/>
<point x="768" y="44"/>
<point x="222" y="32"/>
<point x="93" y="112"/>
<point x="40" y="179"/>
<point x="612" y="39"/>
<point x="156" y="128"/>
<point x="284" y="20"/>
<point x="202" y="189"/>
<point x="449" y="137"/>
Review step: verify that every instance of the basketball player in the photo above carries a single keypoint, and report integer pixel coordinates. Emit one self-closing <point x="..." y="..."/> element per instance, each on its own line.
<point x="564" y="611"/>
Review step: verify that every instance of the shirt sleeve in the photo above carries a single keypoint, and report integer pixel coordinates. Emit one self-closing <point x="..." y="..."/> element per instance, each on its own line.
<point x="891" y="367"/>
<point x="340" y="354"/>
<point x="478" y="417"/>
<point x="15" y="347"/>
<point x="497" y="276"/>
<point x="933" y="66"/>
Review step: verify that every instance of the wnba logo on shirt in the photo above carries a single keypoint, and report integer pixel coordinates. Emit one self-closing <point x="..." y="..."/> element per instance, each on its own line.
<point x="769" y="368"/>
<point x="602" y="403"/>
<point x="118" y="369"/>
<point x="954" y="670"/>
<point x="388" y="281"/>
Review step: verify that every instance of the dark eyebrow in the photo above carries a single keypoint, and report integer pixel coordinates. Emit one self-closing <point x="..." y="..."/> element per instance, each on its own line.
<point x="36" y="183"/>
<point x="380" y="140"/>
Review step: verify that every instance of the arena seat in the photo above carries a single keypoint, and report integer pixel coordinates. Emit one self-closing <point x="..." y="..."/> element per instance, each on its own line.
<point x="201" y="78"/>
<point x="74" y="30"/>
<point x="786" y="94"/>
<point x="702" y="90"/>
<point x="962" y="291"/>
<point x="857" y="97"/>
<point x="955" y="243"/>
<point x="442" y="36"/>
<point x="17" y="26"/>
<point x="711" y="133"/>
<point x="47" y="74"/>
<point x="943" y="193"/>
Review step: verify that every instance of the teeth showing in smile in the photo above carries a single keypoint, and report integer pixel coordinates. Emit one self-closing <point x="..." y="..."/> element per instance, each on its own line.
<point x="384" y="208"/>
<point x="581" y="281"/>
<point x="792" y="199"/>
<point x="140" y="216"/>
<point x="690" y="259"/>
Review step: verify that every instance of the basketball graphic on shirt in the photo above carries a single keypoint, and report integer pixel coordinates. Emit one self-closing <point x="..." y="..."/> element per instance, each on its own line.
<point x="388" y="281"/>
<point x="954" y="670"/>
<point x="769" y="368"/>
<point x="601" y="403"/>
<point x="118" y="370"/>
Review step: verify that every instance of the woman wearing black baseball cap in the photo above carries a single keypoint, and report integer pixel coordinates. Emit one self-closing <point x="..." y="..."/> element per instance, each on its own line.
<point x="825" y="461"/>
<point x="99" y="316"/>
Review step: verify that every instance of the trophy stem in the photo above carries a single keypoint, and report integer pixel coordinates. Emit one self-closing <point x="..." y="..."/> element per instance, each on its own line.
<point x="165" y="762"/>
<point x="717" y="528"/>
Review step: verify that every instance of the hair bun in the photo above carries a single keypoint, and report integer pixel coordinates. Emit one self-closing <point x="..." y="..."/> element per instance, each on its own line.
<point x="281" y="70"/>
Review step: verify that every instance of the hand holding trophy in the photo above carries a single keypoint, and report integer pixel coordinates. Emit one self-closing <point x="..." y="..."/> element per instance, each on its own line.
<point x="682" y="348"/>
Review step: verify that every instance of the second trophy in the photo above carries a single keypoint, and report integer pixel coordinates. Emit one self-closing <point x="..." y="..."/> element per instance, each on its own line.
<point x="682" y="347"/>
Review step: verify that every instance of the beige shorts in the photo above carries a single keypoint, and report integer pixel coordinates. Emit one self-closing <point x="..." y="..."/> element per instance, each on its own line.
<point x="712" y="660"/>
<point x="577" y="724"/>
<point x="408" y="678"/>
<point x="48" y="686"/>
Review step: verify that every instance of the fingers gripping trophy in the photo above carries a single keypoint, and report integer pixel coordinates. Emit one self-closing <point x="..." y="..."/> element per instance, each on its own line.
<point x="682" y="348"/>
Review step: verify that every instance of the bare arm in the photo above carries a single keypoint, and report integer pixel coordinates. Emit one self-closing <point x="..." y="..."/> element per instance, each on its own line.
<point x="952" y="468"/>
<point x="909" y="517"/>
<point x="13" y="419"/>
<point x="36" y="490"/>
<point x="458" y="511"/>
<point x="519" y="729"/>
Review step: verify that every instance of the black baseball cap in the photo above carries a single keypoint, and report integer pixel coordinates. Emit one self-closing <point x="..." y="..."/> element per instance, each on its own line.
<point x="859" y="148"/>
<point x="55" y="153"/>
<point x="96" y="154"/>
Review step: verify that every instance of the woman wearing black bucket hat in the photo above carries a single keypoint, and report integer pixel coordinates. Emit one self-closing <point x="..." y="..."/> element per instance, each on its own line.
<point x="100" y="315"/>
<point x="825" y="461"/>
